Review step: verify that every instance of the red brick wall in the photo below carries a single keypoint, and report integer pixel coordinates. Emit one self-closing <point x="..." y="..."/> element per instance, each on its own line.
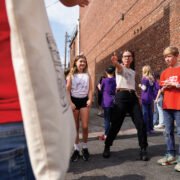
<point x="148" y="27"/>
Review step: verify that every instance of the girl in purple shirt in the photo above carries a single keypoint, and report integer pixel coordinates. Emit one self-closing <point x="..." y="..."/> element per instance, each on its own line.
<point x="147" y="96"/>
<point x="108" y="88"/>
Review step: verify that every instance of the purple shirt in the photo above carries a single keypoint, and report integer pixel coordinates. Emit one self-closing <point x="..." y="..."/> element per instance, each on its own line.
<point x="156" y="89"/>
<point x="108" y="88"/>
<point x="147" y="95"/>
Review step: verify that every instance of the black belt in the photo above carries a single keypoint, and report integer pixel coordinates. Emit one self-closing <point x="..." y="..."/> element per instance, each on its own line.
<point x="126" y="90"/>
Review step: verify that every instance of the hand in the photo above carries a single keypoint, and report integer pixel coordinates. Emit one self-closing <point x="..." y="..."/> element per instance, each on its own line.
<point x="114" y="58"/>
<point x="73" y="106"/>
<point x="99" y="86"/>
<point x="82" y="3"/>
<point x="139" y="85"/>
<point x="89" y="103"/>
<point x="168" y="84"/>
<point x="156" y="101"/>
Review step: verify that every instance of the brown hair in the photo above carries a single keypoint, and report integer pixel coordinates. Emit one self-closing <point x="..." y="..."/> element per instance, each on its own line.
<point x="66" y="72"/>
<point x="74" y="69"/>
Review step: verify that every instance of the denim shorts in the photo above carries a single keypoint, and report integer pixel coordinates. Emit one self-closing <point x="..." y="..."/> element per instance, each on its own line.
<point x="14" y="158"/>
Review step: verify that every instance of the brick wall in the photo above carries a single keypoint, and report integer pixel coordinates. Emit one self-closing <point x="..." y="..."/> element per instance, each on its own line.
<point x="148" y="27"/>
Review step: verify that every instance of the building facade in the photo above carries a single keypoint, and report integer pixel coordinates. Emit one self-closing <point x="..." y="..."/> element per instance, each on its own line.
<point x="143" y="26"/>
<point x="74" y="46"/>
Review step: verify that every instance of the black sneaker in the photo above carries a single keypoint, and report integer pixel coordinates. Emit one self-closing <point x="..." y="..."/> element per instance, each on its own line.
<point x="85" y="154"/>
<point x="75" y="156"/>
<point x="143" y="155"/>
<point x="106" y="153"/>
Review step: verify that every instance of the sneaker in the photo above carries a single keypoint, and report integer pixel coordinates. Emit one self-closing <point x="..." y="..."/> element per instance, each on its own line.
<point x="168" y="159"/>
<point x="75" y="156"/>
<point x="106" y="153"/>
<point x="101" y="137"/>
<point x="104" y="137"/>
<point x="143" y="155"/>
<point x="99" y="113"/>
<point x="177" y="167"/>
<point x="159" y="126"/>
<point x="85" y="154"/>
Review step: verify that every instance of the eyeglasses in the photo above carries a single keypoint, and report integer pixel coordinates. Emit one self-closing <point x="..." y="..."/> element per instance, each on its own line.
<point x="127" y="57"/>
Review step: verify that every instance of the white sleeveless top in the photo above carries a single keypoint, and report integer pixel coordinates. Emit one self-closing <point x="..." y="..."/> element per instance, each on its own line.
<point x="80" y="85"/>
<point x="125" y="78"/>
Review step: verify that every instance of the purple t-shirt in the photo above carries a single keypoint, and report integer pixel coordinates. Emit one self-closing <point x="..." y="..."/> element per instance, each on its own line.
<point x="156" y="89"/>
<point x="108" y="88"/>
<point x="147" y="95"/>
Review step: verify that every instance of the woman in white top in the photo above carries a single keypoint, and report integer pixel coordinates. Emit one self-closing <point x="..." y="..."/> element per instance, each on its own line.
<point x="126" y="101"/>
<point x="79" y="87"/>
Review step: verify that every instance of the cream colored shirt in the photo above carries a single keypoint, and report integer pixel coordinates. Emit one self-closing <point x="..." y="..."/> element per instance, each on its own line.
<point x="125" y="78"/>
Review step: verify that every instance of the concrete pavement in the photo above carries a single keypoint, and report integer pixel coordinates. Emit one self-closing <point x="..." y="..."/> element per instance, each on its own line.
<point x="122" y="165"/>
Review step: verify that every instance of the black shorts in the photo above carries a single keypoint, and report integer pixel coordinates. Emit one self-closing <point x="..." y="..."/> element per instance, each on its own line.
<point x="80" y="102"/>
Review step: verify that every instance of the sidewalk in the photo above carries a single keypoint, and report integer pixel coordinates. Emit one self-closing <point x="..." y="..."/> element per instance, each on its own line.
<point x="122" y="165"/>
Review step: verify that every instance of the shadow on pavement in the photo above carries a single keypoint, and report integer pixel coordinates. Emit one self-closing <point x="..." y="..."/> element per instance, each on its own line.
<point x="116" y="158"/>
<point x="125" y="177"/>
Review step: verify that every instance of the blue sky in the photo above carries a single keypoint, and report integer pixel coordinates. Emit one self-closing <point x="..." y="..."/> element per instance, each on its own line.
<point x="62" y="19"/>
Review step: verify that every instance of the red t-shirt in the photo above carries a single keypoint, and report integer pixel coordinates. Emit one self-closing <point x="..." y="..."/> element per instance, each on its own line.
<point x="171" y="95"/>
<point x="9" y="101"/>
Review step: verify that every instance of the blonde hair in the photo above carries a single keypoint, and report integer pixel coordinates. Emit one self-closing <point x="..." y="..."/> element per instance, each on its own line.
<point x="147" y="72"/>
<point x="74" y="69"/>
<point x="171" y="50"/>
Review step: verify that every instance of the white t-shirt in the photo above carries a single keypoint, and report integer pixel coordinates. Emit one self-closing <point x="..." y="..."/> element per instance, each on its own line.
<point x="125" y="78"/>
<point x="80" y="85"/>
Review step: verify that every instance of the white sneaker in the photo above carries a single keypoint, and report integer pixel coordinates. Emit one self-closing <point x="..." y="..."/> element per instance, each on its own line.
<point x="99" y="113"/>
<point x="159" y="126"/>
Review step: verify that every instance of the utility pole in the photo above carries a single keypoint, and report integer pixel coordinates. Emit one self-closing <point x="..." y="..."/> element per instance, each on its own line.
<point x="65" y="53"/>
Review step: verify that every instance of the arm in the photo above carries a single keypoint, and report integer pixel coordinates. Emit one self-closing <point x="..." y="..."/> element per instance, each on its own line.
<point x="158" y="95"/>
<point x="170" y="84"/>
<point x="71" y="3"/>
<point x="69" y="81"/>
<point x="90" y="94"/>
<point x="99" y="87"/>
<point x="166" y="83"/>
<point x="143" y="86"/>
<point x="114" y="60"/>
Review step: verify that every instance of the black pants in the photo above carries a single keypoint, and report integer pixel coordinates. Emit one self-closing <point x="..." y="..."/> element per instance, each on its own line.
<point x="126" y="101"/>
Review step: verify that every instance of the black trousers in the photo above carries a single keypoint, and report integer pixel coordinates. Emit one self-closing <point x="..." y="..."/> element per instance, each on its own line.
<point x="126" y="101"/>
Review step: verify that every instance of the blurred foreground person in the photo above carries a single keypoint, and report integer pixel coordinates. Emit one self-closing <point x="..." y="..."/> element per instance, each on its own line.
<point x="22" y="82"/>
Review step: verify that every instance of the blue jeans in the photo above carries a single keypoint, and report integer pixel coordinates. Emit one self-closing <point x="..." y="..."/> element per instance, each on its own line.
<point x="169" y="116"/>
<point x="107" y="116"/>
<point x="160" y="110"/>
<point x="148" y="116"/>
<point x="14" y="158"/>
<point x="155" y="114"/>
